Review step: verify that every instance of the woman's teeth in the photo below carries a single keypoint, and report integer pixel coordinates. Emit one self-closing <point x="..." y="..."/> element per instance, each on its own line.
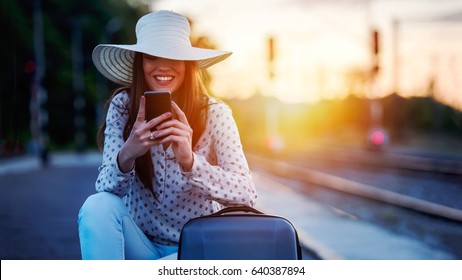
<point x="163" y="78"/>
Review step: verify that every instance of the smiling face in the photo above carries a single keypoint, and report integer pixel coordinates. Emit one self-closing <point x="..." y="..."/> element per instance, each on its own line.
<point x="163" y="74"/>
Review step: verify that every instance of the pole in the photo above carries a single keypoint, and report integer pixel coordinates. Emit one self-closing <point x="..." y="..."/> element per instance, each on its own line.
<point x="39" y="115"/>
<point x="376" y="108"/>
<point x="79" y="85"/>
<point x="396" y="60"/>
<point x="273" y="141"/>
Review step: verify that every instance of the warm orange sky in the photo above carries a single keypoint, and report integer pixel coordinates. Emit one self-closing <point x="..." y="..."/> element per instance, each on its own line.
<point x="318" y="41"/>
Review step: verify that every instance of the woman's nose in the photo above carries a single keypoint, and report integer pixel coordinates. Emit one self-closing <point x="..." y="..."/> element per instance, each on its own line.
<point x="163" y="67"/>
<point x="164" y="62"/>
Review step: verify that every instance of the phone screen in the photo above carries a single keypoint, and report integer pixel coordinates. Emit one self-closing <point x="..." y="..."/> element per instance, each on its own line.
<point x="157" y="103"/>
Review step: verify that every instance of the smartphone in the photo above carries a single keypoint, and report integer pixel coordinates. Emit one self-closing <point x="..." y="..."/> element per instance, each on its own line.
<point x="157" y="103"/>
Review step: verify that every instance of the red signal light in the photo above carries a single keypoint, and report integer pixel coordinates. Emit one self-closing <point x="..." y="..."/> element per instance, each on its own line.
<point x="377" y="137"/>
<point x="29" y="67"/>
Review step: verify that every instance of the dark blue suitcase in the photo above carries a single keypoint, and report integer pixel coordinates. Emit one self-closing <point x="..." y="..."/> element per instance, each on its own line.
<point x="239" y="233"/>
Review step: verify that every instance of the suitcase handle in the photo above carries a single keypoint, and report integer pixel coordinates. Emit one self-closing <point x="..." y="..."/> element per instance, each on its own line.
<point x="240" y="208"/>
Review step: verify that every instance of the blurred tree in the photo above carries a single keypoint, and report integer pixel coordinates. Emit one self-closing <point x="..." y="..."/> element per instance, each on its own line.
<point x="113" y="21"/>
<point x="202" y="41"/>
<point x="16" y="70"/>
<point x="59" y="17"/>
<point x="395" y="115"/>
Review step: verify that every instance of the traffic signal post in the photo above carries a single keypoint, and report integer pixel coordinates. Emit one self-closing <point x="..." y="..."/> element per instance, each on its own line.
<point x="273" y="140"/>
<point x="377" y="136"/>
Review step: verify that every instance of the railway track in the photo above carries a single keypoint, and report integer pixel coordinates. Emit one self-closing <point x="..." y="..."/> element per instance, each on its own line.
<point x="295" y="171"/>
<point x="418" y="161"/>
<point x="420" y="204"/>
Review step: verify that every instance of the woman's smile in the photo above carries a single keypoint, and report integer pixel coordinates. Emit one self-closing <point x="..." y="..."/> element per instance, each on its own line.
<point x="163" y="74"/>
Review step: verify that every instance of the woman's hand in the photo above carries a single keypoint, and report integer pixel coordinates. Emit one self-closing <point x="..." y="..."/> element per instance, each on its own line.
<point x="179" y="133"/>
<point x="140" y="140"/>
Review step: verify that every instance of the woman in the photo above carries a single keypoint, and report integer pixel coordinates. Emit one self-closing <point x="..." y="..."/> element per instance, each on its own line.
<point x="158" y="174"/>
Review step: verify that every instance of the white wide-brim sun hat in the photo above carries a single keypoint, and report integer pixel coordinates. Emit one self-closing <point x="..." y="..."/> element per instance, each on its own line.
<point x="162" y="34"/>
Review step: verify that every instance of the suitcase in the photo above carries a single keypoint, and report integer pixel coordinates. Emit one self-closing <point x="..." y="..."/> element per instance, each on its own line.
<point x="239" y="233"/>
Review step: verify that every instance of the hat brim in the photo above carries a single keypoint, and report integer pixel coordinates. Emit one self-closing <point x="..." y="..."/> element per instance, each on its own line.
<point x="115" y="62"/>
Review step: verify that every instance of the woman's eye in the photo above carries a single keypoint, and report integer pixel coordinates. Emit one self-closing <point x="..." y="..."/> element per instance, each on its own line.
<point x="150" y="58"/>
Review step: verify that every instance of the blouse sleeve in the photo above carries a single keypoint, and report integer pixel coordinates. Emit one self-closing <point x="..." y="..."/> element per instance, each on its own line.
<point x="229" y="181"/>
<point x="110" y="178"/>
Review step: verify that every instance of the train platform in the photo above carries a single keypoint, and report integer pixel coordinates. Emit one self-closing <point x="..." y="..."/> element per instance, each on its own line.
<point x="333" y="235"/>
<point x="322" y="230"/>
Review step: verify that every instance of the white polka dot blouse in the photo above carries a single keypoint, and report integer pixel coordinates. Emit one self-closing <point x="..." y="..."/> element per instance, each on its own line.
<point x="220" y="175"/>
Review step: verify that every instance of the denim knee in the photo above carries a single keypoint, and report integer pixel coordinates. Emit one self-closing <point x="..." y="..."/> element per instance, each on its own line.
<point x="100" y="224"/>
<point x="102" y="207"/>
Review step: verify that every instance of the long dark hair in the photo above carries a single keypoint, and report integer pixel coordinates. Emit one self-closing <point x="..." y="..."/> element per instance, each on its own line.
<point x="192" y="98"/>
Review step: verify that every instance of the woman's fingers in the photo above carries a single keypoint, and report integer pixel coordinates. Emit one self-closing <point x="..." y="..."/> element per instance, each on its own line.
<point x="156" y="122"/>
<point x="141" y="117"/>
<point x="172" y="130"/>
<point x="178" y="132"/>
<point x="141" y="111"/>
<point x="181" y="141"/>
<point x="177" y="129"/>
<point x="172" y="123"/>
<point x="179" y="114"/>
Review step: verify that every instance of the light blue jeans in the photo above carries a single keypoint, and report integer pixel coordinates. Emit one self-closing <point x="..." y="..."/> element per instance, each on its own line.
<point x="108" y="232"/>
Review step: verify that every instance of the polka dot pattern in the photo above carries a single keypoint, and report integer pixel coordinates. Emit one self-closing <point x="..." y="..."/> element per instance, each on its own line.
<point x="220" y="175"/>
